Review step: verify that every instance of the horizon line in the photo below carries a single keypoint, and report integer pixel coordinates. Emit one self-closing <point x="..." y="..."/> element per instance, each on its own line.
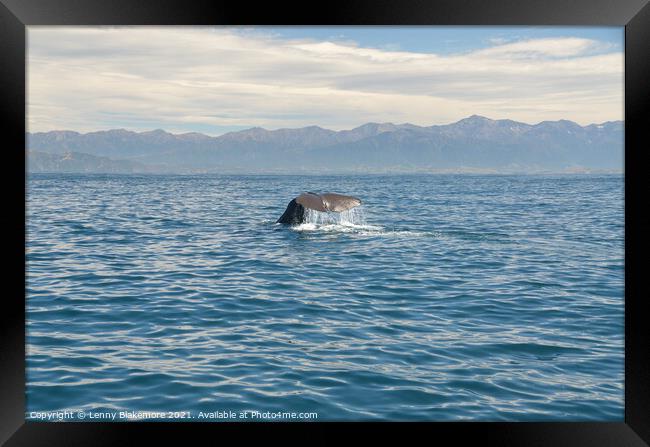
<point x="475" y="116"/>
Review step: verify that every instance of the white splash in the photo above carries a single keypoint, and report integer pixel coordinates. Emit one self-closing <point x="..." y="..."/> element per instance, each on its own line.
<point x="353" y="216"/>
<point x="352" y="220"/>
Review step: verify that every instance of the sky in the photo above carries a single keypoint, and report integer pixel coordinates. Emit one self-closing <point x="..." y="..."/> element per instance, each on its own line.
<point x="215" y="80"/>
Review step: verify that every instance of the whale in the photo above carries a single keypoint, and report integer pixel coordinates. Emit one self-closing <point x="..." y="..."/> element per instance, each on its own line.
<point x="327" y="202"/>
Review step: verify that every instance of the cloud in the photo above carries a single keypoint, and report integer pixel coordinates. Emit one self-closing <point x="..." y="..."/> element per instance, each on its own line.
<point x="556" y="47"/>
<point x="497" y="40"/>
<point x="219" y="78"/>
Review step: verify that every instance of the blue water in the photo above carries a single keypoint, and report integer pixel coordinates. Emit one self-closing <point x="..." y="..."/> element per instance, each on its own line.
<point x="448" y="297"/>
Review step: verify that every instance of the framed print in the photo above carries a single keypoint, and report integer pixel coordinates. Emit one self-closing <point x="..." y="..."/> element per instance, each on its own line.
<point x="365" y="216"/>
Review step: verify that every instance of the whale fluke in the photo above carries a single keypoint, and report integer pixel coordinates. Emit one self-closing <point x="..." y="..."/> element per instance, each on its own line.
<point x="295" y="212"/>
<point x="312" y="201"/>
<point x="339" y="202"/>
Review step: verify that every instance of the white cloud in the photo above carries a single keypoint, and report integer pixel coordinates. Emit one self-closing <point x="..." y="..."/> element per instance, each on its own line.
<point x="144" y="77"/>
<point x="497" y="40"/>
<point x="556" y="47"/>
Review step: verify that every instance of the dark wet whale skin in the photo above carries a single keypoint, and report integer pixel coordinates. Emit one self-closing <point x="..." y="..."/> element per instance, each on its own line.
<point x="293" y="215"/>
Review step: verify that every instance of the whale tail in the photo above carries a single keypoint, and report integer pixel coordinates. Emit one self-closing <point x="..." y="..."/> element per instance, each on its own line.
<point x="295" y="212"/>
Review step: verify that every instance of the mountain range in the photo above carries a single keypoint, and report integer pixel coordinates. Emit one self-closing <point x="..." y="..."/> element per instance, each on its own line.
<point x="473" y="144"/>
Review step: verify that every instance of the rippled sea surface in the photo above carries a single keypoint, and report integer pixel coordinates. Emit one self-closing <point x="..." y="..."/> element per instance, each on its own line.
<point x="446" y="297"/>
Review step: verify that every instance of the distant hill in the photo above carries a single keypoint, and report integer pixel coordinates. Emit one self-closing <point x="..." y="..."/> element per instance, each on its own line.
<point x="79" y="163"/>
<point x="474" y="144"/>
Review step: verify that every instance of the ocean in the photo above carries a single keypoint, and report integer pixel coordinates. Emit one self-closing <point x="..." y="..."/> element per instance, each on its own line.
<point x="442" y="298"/>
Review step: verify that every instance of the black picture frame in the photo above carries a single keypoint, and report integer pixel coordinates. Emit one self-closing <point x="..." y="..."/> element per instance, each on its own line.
<point x="15" y="15"/>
